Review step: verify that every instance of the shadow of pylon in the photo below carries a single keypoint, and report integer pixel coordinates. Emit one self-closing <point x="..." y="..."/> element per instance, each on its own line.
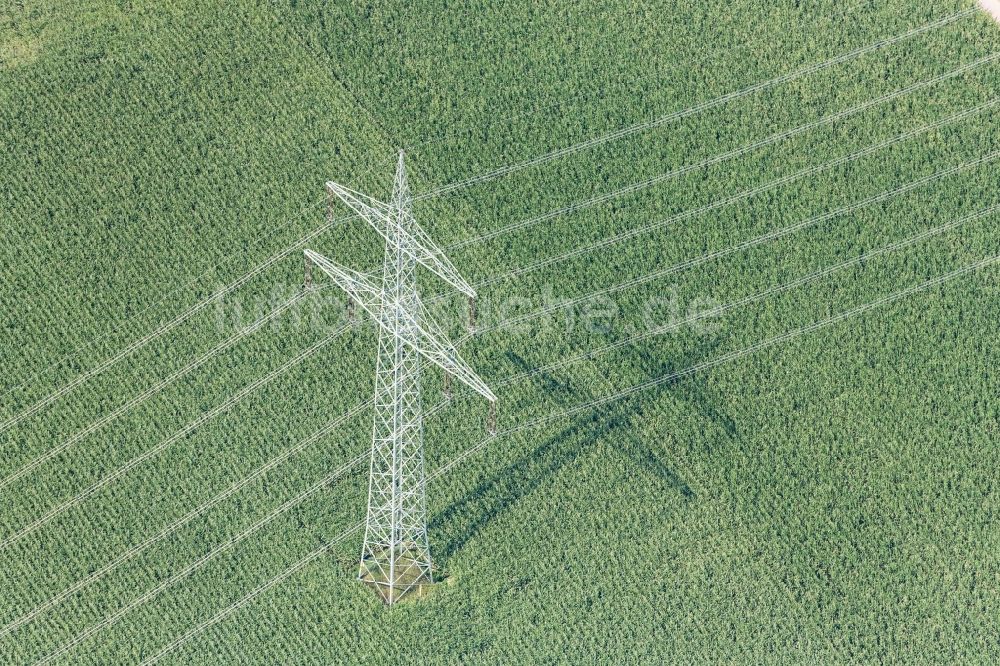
<point x="471" y="513"/>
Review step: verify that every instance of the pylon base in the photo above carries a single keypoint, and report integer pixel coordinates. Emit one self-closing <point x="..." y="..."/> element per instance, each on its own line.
<point x="412" y="577"/>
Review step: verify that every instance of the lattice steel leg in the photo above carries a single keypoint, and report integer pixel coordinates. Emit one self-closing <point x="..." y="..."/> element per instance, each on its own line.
<point x="396" y="554"/>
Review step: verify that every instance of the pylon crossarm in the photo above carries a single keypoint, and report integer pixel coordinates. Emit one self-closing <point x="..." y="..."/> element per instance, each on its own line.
<point x="369" y="208"/>
<point x="435" y="347"/>
<point x="449" y="361"/>
<point x="431" y="343"/>
<point x="434" y="260"/>
<point x="384" y="219"/>
<point x="357" y="285"/>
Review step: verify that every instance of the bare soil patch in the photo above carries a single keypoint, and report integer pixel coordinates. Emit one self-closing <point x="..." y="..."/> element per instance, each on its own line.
<point x="17" y="52"/>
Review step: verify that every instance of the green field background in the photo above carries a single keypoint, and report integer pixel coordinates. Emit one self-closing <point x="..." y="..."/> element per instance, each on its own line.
<point x="831" y="499"/>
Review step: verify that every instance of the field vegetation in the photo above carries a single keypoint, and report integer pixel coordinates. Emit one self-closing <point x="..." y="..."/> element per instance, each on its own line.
<point x="183" y="430"/>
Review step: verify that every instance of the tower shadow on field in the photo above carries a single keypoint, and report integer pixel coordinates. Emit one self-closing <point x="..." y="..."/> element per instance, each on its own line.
<point x="474" y="511"/>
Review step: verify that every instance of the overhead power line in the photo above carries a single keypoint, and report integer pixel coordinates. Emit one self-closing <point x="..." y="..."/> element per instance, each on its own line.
<point x="296" y="246"/>
<point x="546" y="368"/>
<point x="697" y="108"/>
<point x="465" y="455"/>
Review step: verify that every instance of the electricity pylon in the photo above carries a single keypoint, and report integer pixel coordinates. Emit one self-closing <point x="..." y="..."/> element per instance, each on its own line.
<point x="396" y="555"/>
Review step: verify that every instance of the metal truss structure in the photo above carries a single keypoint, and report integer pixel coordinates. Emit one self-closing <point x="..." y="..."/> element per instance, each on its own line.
<point x="395" y="556"/>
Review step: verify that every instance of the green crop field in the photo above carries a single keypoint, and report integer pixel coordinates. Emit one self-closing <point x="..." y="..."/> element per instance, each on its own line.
<point x="737" y="267"/>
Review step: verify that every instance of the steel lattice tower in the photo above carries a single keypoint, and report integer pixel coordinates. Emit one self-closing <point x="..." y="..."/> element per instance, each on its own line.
<point x="396" y="555"/>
